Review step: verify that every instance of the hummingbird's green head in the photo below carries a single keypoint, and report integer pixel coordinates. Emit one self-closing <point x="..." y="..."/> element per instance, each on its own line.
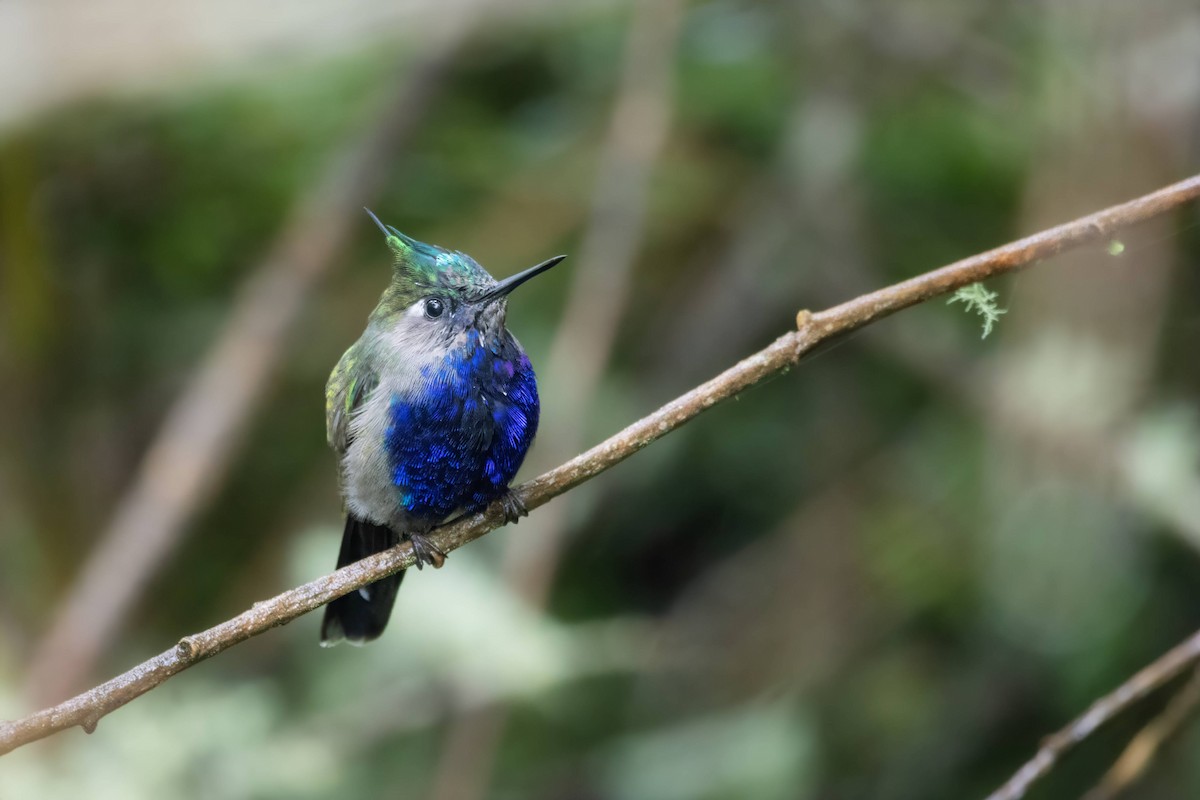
<point x="445" y="285"/>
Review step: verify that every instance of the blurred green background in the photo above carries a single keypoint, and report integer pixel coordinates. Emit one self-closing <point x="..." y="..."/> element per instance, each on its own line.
<point x="886" y="574"/>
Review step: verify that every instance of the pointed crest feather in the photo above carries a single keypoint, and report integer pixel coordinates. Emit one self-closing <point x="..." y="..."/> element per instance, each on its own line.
<point x="421" y="265"/>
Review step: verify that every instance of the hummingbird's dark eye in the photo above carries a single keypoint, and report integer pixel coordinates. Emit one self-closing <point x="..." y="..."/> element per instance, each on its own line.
<point x="434" y="307"/>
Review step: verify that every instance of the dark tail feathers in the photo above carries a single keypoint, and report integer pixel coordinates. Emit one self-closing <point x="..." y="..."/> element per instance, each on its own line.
<point x="362" y="615"/>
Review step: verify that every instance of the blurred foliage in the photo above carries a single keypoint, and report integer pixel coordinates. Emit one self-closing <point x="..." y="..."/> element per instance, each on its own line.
<point x="885" y="575"/>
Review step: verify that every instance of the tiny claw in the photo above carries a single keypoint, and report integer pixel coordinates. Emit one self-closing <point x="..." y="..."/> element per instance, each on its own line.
<point x="514" y="507"/>
<point x="426" y="552"/>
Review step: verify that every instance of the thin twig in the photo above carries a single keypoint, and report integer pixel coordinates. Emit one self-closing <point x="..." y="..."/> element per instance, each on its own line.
<point x="86" y="709"/>
<point x="1142" y="749"/>
<point x="202" y="430"/>
<point x="1174" y="662"/>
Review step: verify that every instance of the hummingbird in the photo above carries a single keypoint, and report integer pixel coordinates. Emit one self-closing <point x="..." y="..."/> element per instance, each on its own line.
<point x="430" y="414"/>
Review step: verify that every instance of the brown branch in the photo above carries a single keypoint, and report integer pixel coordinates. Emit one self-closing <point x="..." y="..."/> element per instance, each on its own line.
<point x="86" y="709"/>
<point x="1174" y="662"/>
<point x="204" y="427"/>
<point x="1142" y="749"/>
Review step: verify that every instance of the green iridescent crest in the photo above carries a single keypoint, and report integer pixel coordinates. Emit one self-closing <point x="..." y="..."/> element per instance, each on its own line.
<point x="427" y="266"/>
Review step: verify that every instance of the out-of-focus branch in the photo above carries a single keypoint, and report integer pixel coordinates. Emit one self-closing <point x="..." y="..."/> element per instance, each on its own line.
<point x="201" y="432"/>
<point x="813" y="329"/>
<point x="600" y="286"/>
<point x="1142" y="749"/>
<point x="1176" y="661"/>
<point x="582" y="347"/>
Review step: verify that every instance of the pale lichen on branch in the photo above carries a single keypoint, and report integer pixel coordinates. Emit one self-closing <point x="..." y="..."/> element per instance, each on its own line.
<point x="977" y="298"/>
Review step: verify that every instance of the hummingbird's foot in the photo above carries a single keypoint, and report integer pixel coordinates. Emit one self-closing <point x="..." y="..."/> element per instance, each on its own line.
<point x="426" y="552"/>
<point x="514" y="507"/>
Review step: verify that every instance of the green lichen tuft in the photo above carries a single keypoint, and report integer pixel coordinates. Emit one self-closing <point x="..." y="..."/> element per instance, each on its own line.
<point x="982" y="302"/>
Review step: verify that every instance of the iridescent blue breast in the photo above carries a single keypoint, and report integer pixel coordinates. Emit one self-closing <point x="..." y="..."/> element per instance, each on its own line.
<point x="457" y="440"/>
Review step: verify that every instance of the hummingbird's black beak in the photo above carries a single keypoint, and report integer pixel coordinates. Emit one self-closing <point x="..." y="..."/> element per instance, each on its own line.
<point x="513" y="281"/>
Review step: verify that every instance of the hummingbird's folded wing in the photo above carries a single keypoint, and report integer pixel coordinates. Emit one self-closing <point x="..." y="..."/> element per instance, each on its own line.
<point x="350" y="383"/>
